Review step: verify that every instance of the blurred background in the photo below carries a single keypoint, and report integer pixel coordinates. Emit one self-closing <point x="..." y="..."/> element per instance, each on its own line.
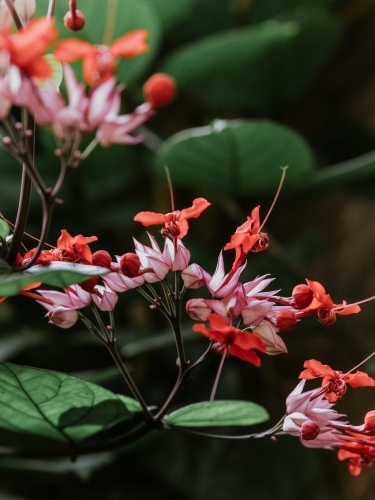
<point x="261" y="84"/>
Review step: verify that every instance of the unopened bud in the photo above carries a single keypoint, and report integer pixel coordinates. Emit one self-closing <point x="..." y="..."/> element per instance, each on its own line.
<point x="302" y="296"/>
<point x="102" y="258"/>
<point x="159" y="90"/>
<point x="130" y="264"/>
<point x="89" y="285"/>
<point x="286" y="320"/>
<point x="25" y="9"/>
<point x="309" y="430"/>
<point x="64" y="318"/>
<point x="74" y="21"/>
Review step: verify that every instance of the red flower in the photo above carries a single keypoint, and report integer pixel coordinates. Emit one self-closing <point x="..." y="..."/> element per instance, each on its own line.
<point x="359" y="449"/>
<point x="323" y="305"/>
<point x="75" y="249"/>
<point x="247" y="238"/>
<point x="237" y="342"/>
<point x="27" y="46"/>
<point x="334" y="381"/>
<point x="99" y="61"/>
<point x="175" y="223"/>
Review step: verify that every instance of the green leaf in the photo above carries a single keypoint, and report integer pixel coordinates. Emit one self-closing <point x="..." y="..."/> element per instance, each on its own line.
<point x="261" y="67"/>
<point x="127" y="15"/>
<point x="57" y="72"/>
<point x="131" y="404"/>
<point x="218" y="413"/>
<point x="261" y="10"/>
<point x="236" y="157"/>
<point x="41" y="408"/>
<point x="4" y="229"/>
<point x="59" y="274"/>
<point x="5" y="268"/>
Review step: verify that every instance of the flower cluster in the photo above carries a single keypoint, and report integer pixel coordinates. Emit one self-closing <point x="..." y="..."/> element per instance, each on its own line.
<point x="311" y="417"/>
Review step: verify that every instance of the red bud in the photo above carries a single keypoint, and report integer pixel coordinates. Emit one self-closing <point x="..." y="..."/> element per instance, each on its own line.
<point x="101" y="258"/>
<point x="302" y="296"/>
<point x="74" y="22"/>
<point x="286" y="320"/>
<point x="309" y="430"/>
<point x="130" y="264"/>
<point x="159" y="90"/>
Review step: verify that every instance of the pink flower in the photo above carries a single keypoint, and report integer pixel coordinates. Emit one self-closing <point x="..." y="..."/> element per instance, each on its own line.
<point x="273" y="342"/>
<point x="197" y="309"/>
<point x="104" y="298"/>
<point x="152" y="261"/>
<point x="175" y="254"/>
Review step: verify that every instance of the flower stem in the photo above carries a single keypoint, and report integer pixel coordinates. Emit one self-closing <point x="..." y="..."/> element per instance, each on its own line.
<point x="214" y="388"/>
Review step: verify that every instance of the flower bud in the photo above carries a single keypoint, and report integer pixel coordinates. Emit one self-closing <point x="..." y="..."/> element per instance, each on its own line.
<point x="286" y="320"/>
<point x="302" y="296"/>
<point x="74" y="21"/>
<point x="89" y="285"/>
<point x="197" y="309"/>
<point x="309" y="430"/>
<point x="159" y="90"/>
<point x="63" y="318"/>
<point x="102" y="258"/>
<point x="130" y="264"/>
<point x="25" y="9"/>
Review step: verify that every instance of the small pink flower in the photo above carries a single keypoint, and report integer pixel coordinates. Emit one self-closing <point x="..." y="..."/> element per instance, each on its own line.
<point x="273" y="342"/>
<point x="175" y="254"/>
<point x="104" y="298"/>
<point x="63" y="317"/>
<point x="197" y="309"/>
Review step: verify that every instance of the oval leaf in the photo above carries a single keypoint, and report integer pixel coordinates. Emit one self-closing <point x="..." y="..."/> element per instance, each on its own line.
<point x="59" y="274"/>
<point x="4" y="229"/>
<point x="218" y="413"/>
<point x="260" y="67"/>
<point x="236" y="157"/>
<point x="42" y="408"/>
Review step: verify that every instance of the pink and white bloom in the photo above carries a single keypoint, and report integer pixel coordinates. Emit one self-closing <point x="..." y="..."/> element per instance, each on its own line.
<point x="104" y="298"/>
<point x="175" y="254"/>
<point x="305" y="407"/>
<point x="273" y="342"/>
<point x="197" y="309"/>
<point x="152" y="261"/>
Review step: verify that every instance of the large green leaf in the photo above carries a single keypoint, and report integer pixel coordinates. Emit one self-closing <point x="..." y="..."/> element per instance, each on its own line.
<point x="261" y="10"/>
<point x="236" y="157"/>
<point x="264" y="66"/>
<point x="60" y="274"/>
<point x="46" y="409"/>
<point x="218" y="413"/>
<point x="127" y="15"/>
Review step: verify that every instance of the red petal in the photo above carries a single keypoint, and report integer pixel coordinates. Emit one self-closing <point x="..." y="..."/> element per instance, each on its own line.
<point x="359" y="379"/>
<point x="316" y="369"/>
<point x="213" y="335"/>
<point x="199" y="204"/>
<point x="246" y="355"/>
<point x="130" y="45"/>
<point x="349" y="310"/>
<point x="150" y="218"/>
<point x="71" y="50"/>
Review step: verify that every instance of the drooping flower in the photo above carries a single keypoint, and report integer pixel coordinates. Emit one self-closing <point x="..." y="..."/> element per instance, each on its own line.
<point x="237" y="342"/>
<point x="99" y="61"/>
<point x="248" y="238"/>
<point x="334" y="382"/>
<point x="323" y="306"/>
<point x="359" y="449"/>
<point x="175" y="223"/>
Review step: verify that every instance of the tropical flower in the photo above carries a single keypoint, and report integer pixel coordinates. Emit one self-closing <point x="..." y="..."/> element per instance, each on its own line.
<point x="99" y="61"/>
<point x="175" y="223"/>
<point x="231" y="340"/>
<point x="334" y="382"/>
<point x="248" y="238"/>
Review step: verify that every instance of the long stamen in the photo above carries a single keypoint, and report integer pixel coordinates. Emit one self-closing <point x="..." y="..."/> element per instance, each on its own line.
<point x="169" y="180"/>
<point x="275" y="198"/>
<point x="359" y="364"/>
<point x="339" y="308"/>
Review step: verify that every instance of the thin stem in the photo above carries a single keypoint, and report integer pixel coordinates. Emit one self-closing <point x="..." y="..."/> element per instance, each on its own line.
<point x="275" y="198"/>
<point x="359" y="364"/>
<point x="14" y="14"/>
<point x="112" y="348"/>
<point x="110" y="22"/>
<point x="214" y="388"/>
<point x="22" y="214"/>
<point x="51" y="8"/>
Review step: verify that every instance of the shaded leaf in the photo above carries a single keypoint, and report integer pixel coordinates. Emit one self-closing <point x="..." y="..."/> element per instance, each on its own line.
<point x="4" y="229"/>
<point x="59" y="274"/>
<point x="5" y="268"/>
<point x="218" y="413"/>
<point x="41" y="408"/>
<point x="264" y="66"/>
<point x="261" y="10"/>
<point x="236" y="157"/>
